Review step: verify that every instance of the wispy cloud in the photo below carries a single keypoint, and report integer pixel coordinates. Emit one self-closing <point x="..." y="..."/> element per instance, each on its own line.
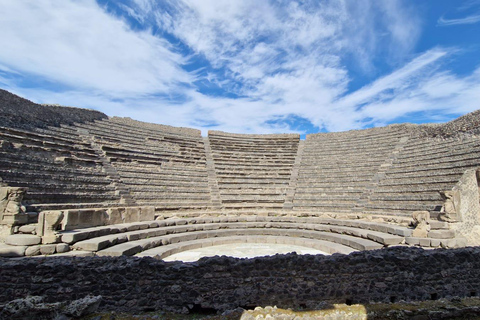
<point x="465" y="7"/>
<point x="466" y="20"/>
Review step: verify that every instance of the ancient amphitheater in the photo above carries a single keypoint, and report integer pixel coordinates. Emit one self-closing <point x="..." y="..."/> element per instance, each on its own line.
<point x="76" y="183"/>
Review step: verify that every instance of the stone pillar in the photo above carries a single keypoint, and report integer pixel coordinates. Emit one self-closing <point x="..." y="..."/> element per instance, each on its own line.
<point x="48" y="222"/>
<point x="465" y="200"/>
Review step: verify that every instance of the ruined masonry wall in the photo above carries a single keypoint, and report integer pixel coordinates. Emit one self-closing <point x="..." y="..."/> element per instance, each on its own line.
<point x="223" y="283"/>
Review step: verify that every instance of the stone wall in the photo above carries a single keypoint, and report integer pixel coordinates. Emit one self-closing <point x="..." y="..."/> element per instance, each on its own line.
<point x="221" y="283"/>
<point x="21" y="113"/>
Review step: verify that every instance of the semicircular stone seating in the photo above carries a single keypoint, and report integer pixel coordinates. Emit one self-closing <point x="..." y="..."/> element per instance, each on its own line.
<point x="162" y="238"/>
<point x="335" y="192"/>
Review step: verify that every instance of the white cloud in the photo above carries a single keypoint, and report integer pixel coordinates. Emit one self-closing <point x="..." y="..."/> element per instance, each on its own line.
<point x="75" y="43"/>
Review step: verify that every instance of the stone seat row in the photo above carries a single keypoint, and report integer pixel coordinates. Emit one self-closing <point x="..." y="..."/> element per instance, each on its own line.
<point x="95" y="239"/>
<point x="152" y="157"/>
<point x="435" y="162"/>
<point x="120" y="136"/>
<point x="177" y="170"/>
<point x="109" y="138"/>
<point x="64" y="131"/>
<point x="252" y="191"/>
<point x="227" y="170"/>
<point x="144" y="128"/>
<point x="30" y="145"/>
<point x="435" y="149"/>
<point x="25" y="152"/>
<point x="340" y="138"/>
<point x="439" y="166"/>
<point x="421" y="180"/>
<point x="391" y="174"/>
<point x="167" y="184"/>
<point x="403" y="208"/>
<point x="149" y="154"/>
<point x="165" y="251"/>
<point x="148" y="146"/>
<point x="47" y="169"/>
<point x="253" y="153"/>
<point x="445" y="156"/>
<point x="335" y="151"/>
<point x="144" y="144"/>
<point x="249" y="161"/>
<point x="41" y="137"/>
<point x="159" y="176"/>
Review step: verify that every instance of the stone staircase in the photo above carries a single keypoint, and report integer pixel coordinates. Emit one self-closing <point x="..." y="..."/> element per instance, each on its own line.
<point x="290" y="193"/>
<point x="212" y="178"/>
<point x="121" y="189"/>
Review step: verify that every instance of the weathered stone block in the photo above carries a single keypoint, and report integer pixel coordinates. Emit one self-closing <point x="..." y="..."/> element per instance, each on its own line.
<point x="62" y="247"/>
<point x="84" y="218"/>
<point x="28" y="228"/>
<point x="441" y="234"/>
<point x="23" y="240"/>
<point x="115" y="215"/>
<point x="12" y="251"/>
<point x="32" y="251"/>
<point x="147" y="213"/>
<point x="48" y="249"/>
<point x="132" y="214"/>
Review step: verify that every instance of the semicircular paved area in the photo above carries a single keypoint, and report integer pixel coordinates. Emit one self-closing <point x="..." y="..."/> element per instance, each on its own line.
<point x="241" y="250"/>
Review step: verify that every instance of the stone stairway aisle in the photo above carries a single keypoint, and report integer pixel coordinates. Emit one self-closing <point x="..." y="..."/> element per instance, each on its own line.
<point x="290" y="193"/>
<point x="121" y="189"/>
<point x="379" y="176"/>
<point x="212" y="177"/>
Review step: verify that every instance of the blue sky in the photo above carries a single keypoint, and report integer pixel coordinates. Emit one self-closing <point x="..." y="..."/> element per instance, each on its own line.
<point x="247" y="66"/>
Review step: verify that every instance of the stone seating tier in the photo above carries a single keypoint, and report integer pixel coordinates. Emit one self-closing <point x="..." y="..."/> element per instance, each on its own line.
<point x="126" y="149"/>
<point x="168" y="185"/>
<point x="22" y="146"/>
<point x="141" y="128"/>
<point x="447" y="157"/>
<point x="332" y="148"/>
<point x="154" y="237"/>
<point x="151" y="158"/>
<point x="169" y="169"/>
<point x="169" y="232"/>
<point x="441" y="152"/>
<point x="112" y="134"/>
<point x="165" y="251"/>
<point x="175" y="197"/>
<point x="153" y="127"/>
<point x="40" y="138"/>
<point x="143" y="143"/>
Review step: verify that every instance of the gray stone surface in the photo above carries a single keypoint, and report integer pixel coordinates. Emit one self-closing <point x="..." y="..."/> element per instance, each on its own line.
<point x="47" y="249"/>
<point x="32" y="251"/>
<point x="23" y="240"/>
<point x="62" y="247"/>
<point x="12" y="251"/>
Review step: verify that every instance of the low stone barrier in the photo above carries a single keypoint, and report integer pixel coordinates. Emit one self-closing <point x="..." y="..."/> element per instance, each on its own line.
<point x="222" y="283"/>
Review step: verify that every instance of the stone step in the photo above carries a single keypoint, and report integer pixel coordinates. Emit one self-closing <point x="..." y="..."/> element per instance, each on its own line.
<point x="164" y="251"/>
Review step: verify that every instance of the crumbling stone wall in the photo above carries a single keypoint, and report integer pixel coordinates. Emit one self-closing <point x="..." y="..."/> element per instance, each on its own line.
<point x="467" y="124"/>
<point x="221" y="283"/>
<point x="17" y="112"/>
